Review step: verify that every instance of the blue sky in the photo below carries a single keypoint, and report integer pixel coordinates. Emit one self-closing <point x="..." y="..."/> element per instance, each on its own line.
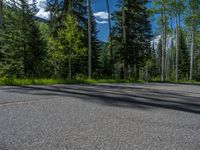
<point x="100" y="11"/>
<point x="100" y="6"/>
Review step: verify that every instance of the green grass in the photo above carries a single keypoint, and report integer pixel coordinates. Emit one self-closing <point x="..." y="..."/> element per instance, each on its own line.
<point x="18" y="82"/>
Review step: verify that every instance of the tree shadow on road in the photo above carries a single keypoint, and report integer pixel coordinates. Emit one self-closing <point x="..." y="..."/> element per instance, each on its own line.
<point x="118" y="96"/>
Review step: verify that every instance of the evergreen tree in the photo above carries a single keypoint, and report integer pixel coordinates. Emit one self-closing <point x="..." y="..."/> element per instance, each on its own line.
<point x="95" y="48"/>
<point x="184" y="62"/>
<point x="104" y="60"/>
<point x="69" y="38"/>
<point x="21" y="40"/>
<point x="197" y="58"/>
<point x="78" y="8"/>
<point x="134" y="36"/>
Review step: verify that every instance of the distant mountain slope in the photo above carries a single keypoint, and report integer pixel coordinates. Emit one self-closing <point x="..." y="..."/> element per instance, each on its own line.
<point x="40" y="19"/>
<point x="156" y="40"/>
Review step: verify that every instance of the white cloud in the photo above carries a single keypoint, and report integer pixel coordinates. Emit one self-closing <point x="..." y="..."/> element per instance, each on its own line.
<point x="41" y="4"/>
<point x="101" y="22"/>
<point x="42" y="13"/>
<point x="101" y="15"/>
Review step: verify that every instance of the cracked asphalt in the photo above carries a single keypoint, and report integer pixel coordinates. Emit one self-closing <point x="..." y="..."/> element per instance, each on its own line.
<point x="150" y="116"/>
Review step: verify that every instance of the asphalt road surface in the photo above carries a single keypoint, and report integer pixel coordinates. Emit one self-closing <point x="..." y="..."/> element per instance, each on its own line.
<point x="100" y="117"/>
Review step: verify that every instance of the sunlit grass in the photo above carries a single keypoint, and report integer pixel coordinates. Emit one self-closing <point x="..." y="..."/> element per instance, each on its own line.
<point x="15" y="81"/>
<point x="18" y="82"/>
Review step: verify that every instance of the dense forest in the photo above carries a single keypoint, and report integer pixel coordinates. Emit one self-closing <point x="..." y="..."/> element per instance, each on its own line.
<point x="66" y="45"/>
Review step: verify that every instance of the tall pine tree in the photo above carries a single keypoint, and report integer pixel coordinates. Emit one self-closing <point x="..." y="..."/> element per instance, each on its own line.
<point x="132" y="34"/>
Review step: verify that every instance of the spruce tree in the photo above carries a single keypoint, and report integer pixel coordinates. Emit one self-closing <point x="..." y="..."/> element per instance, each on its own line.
<point x="132" y="29"/>
<point x="184" y="61"/>
<point x="21" y="44"/>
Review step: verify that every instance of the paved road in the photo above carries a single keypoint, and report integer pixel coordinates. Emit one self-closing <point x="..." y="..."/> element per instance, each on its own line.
<point x="100" y="117"/>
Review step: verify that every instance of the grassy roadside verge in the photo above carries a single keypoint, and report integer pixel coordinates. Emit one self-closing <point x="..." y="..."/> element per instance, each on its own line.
<point x="18" y="82"/>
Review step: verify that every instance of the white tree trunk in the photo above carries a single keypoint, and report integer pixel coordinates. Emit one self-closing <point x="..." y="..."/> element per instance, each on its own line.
<point x="177" y="47"/>
<point x="165" y="46"/>
<point x="89" y="41"/>
<point x="172" y="46"/>
<point x="192" y="48"/>
<point x="192" y="56"/>
<point x="1" y="12"/>
<point x="163" y="67"/>
<point x="124" y="41"/>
